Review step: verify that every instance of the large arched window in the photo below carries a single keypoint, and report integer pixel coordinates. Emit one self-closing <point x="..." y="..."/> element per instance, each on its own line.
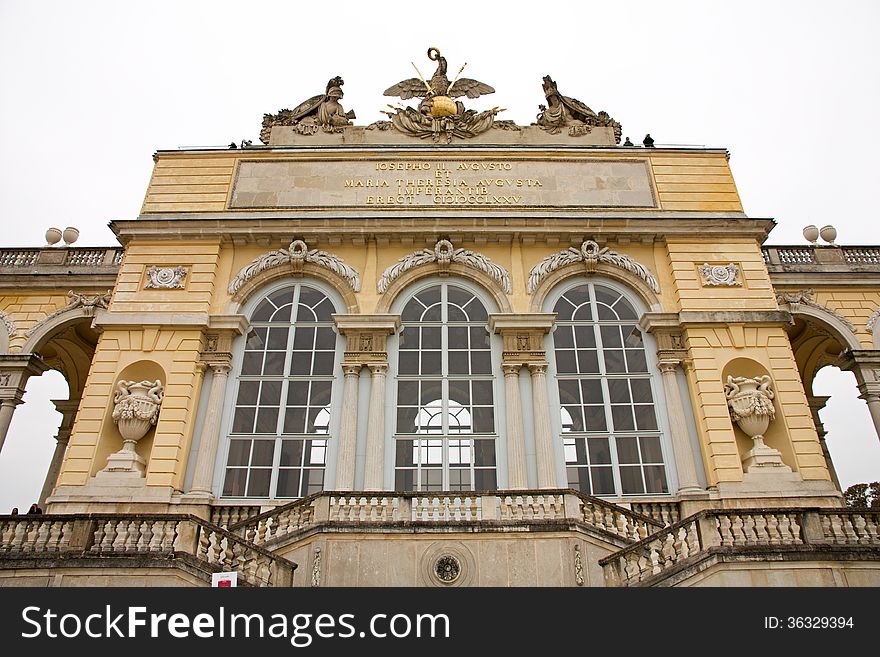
<point x="610" y="435"/>
<point x="445" y="430"/>
<point x="281" y="420"/>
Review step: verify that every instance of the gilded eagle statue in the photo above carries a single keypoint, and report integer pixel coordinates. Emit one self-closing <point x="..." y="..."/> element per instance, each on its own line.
<point x="439" y="92"/>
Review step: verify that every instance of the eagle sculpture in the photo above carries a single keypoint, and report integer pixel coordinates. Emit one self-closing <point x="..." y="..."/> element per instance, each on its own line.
<point x="438" y="91"/>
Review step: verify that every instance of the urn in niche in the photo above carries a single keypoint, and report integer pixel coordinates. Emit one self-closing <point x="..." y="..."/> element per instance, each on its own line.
<point x="750" y="401"/>
<point x="136" y="409"/>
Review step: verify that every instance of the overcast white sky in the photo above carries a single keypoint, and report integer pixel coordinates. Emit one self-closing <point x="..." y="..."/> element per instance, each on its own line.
<point x="91" y="89"/>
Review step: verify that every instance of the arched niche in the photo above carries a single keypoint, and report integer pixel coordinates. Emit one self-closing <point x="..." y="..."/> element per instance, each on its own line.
<point x="776" y="435"/>
<point x="110" y="440"/>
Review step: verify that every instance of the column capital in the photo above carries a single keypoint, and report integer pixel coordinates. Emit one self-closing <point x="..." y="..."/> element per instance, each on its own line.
<point x="352" y="369"/>
<point x="378" y="369"/>
<point x="511" y="369"/>
<point x="220" y="368"/>
<point x="667" y="365"/>
<point x="537" y="368"/>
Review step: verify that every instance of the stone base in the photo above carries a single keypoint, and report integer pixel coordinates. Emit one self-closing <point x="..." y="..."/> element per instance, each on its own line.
<point x="197" y="497"/>
<point x="764" y="459"/>
<point x="772" y="485"/>
<point x="124" y="461"/>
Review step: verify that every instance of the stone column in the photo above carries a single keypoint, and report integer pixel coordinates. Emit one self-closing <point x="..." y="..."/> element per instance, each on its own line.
<point x="67" y="408"/>
<point x="348" y="429"/>
<point x="15" y="370"/>
<point x="681" y="446"/>
<point x="866" y="366"/>
<point x="516" y="451"/>
<point x="203" y="478"/>
<point x="374" y="469"/>
<point x="817" y="403"/>
<point x="543" y="431"/>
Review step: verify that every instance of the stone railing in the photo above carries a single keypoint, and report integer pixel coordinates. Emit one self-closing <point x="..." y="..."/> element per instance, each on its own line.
<point x="800" y="258"/>
<point x="441" y="508"/>
<point x="666" y="513"/>
<point x="76" y="257"/>
<point x="227" y="515"/>
<point x="731" y="530"/>
<point x="134" y="534"/>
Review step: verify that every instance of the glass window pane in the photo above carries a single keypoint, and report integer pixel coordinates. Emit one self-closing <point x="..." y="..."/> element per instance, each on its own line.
<point x="295" y="420"/>
<point x="579" y="295"/>
<point x="572" y="418"/>
<point x="301" y="363"/>
<point x="263" y="312"/>
<point x="636" y="361"/>
<point x="318" y="420"/>
<point x="404" y="455"/>
<point x="599" y="450"/>
<point x="591" y="389"/>
<point x="482" y="391"/>
<point x="594" y="416"/>
<point x="623" y="418"/>
<point x="631" y="480"/>
<point x="641" y="390"/>
<point x="431" y="362"/>
<point x="320" y="393"/>
<point x="651" y="452"/>
<point x="304" y="338"/>
<point x="274" y="363"/>
<point x="316" y="452"/>
<point x="324" y="311"/>
<point x="239" y="452"/>
<point x="291" y="453"/>
<point x="458" y="362"/>
<point x="252" y="363"/>
<point x="485" y="480"/>
<point x="565" y="361"/>
<point x="479" y="337"/>
<point x="432" y="337"/>
<point x="277" y="337"/>
<point x="484" y="452"/>
<point x="632" y="337"/>
<point x="267" y="420"/>
<point x="323" y="363"/>
<point x="460" y="391"/>
<point x="234" y="484"/>
<point x="655" y="479"/>
<point x="458" y="337"/>
<point x="403" y="480"/>
<point x="569" y="391"/>
<point x="603" y="481"/>
<point x="247" y="392"/>
<point x="585" y="337"/>
<point x="270" y="393"/>
<point x="563" y="337"/>
<point x="646" y="420"/>
<point x="282" y="297"/>
<point x="406" y="417"/>
<point x="288" y="483"/>
<point x="484" y="419"/>
<point x="563" y="309"/>
<point x="409" y="338"/>
<point x="282" y="315"/>
<point x="325" y="338"/>
<point x="618" y="390"/>
<point x="244" y="420"/>
<point x="579" y="479"/>
<point x="628" y="450"/>
<point x="256" y="339"/>
<point x="610" y="337"/>
<point x="258" y="483"/>
<point x="576" y="452"/>
<point x="297" y="393"/>
<point x="613" y="361"/>
<point x="588" y="362"/>
<point x="624" y="309"/>
<point x="412" y="312"/>
<point x="262" y="452"/>
<point x="408" y="362"/>
<point x="481" y="362"/>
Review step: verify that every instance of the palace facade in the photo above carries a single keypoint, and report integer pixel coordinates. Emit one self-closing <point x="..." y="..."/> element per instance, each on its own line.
<point x="441" y="350"/>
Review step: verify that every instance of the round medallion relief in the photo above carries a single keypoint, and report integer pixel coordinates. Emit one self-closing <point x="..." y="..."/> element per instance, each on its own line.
<point x="447" y="568"/>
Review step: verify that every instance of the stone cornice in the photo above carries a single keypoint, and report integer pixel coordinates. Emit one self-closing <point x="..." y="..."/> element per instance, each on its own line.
<point x="106" y="319"/>
<point x="691" y="317"/>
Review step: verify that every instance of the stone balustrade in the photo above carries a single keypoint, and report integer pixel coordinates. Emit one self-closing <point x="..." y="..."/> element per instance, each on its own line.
<point x="135" y="534"/>
<point x="445" y="507"/>
<point x="228" y="515"/>
<point x="733" y="530"/>
<point x="666" y="513"/>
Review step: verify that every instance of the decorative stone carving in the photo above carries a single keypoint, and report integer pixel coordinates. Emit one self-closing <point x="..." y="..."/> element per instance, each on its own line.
<point x="444" y="254"/>
<point x="591" y="255"/>
<point x="7" y="324"/>
<point x="316" y="568"/>
<point x="872" y="321"/>
<point x="578" y="566"/>
<point x="321" y="112"/>
<point x="720" y="275"/>
<point x="170" y="278"/>
<point x="439" y="116"/>
<point x="805" y="297"/>
<point x="136" y="409"/>
<point x="296" y="255"/>
<point x="750" y="401"/>
<point x="84" y="301"/>
<point x="564" y="112"/>
<point x="447" y="569"/>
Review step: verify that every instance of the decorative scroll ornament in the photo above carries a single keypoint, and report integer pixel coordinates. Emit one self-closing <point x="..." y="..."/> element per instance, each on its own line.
<point x="171" y="278"/>
<point x="444" y="254"/>
<point x="439" y="116"/>
<point x="321" y="112"/>
<point x="136" y="409"/>
<point x="805" y="297"/>
<point x="296" y="255"/>
<point x="7" y="323"/>
<point x="720" y="275"/>
<point x="564" y="112"/>
<point x="591" y="255"/>
<point x="88" y="303"/>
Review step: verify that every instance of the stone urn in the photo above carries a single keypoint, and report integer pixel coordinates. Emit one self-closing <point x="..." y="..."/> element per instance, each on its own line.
<point x="136" y="410"/>
<point x="750" y="401"/>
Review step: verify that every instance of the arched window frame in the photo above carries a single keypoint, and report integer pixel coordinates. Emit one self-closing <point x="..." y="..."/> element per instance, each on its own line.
<point x="659" y="400"/>
<point x="238" y="349"/>
<point x="495" y="343"/>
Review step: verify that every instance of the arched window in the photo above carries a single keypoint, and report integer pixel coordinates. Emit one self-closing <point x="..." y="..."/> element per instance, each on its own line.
<point x="281" y="419"/>
<point x="609" y="430"/>
<point x="445" y="424"/>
